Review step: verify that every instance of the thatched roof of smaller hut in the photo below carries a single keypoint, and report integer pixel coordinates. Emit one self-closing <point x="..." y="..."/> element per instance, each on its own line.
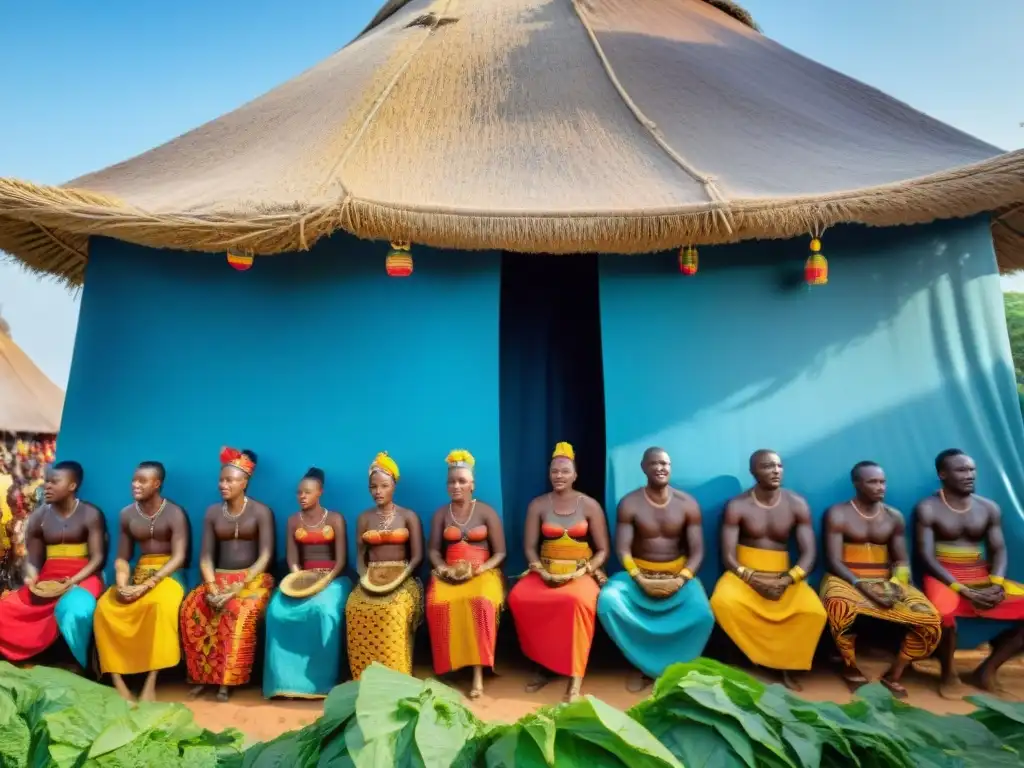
<point x="538" y="126"/>
<point x="29" y="401"/>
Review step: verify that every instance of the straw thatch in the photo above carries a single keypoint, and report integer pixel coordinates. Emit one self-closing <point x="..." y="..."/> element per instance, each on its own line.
<point x="535" y="125"/>
<point x="29" y="401"/>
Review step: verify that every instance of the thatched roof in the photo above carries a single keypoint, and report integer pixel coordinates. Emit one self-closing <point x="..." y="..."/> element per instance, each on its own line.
<point x="29" y="401"/>
<point x="535" y="125"/>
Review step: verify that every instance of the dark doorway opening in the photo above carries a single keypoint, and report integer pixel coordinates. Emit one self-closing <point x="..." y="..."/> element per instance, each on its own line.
<point x="551" y="380"/>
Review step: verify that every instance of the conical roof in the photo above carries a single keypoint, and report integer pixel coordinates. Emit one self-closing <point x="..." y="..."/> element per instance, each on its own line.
<point x="535" y="125"/>
<point x="29" y="401"/>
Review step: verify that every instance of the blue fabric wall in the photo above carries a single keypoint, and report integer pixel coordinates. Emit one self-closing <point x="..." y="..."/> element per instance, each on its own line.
<point x="312" y="358"/>
<point x="903" y="354"/>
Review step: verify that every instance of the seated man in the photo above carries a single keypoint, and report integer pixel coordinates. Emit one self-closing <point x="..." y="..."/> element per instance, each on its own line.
<point x="64" y="543"/>
<point x="762" y="604"/>
<point x="136" y="621"/>
<point x="954" y="528"/>
<point x="657" y="612"/>
<point x="869" y="576"/>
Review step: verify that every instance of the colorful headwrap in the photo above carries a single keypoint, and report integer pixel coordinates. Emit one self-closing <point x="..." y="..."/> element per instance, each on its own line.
<point x="564" y="451"/>
<point x="460" y="459"/>
<point x="231" y="457"/>
<point x="384" y="463"/>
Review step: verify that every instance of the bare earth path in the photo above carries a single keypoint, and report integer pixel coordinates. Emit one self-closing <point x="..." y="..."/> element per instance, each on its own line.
<point x="505" y="700"/>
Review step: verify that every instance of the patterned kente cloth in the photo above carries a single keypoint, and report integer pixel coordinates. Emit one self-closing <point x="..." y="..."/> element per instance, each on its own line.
<point x="382" y="628"/>
<point x="844" y="603"/>
<point x="220" y="646"/>
<point x="967" y="564"/>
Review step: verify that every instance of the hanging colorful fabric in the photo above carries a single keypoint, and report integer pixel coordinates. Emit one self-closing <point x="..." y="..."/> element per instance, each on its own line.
<point x="816" y="266"/>
<point x="688" y="260"/>
<point x="399" y="260"/>
<point x="240" y="260"/>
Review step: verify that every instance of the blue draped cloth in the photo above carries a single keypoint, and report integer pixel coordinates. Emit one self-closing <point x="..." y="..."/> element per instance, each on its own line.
<point x="304" y="641"/>
<point x="654" y="633"/>
<point x="73" y="612"/>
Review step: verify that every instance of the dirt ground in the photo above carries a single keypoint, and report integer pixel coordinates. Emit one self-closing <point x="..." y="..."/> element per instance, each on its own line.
<point x="505" y="700"/>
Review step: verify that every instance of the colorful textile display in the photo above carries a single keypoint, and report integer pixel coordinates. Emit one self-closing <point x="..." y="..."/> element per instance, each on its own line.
<point x="778" y="634"/>
<point x="31" y="624"/>
<point x="382" y="628"/>
<point x="143" y="635"/>
<point x="220" y="646"/>
<point x="844" y="603"/>
<point x="655" y="632"/>
<point x="968" y="565"/>
<point x="555" y="624"/>
<point x="463" y="617"/>
<point x="304" y="636"/>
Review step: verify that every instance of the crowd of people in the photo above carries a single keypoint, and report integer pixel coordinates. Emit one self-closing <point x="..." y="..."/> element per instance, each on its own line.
<point x="656" y="610"/>
<point x="23" y="462"/>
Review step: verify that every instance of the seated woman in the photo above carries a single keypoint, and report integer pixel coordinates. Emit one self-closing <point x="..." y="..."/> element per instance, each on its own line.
<point x="466" y="593"/>
<point x="383" y="612"/>
<point x="304" y="631"/>
<point x="555" y="604"/>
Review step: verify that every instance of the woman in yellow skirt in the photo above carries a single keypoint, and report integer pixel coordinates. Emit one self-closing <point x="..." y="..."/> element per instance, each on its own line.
<point x="383" y="612"/>
<point x="465" y="594"/>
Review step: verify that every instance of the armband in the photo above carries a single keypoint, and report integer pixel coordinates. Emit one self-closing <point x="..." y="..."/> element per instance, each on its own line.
<point x="743" y="572"/>
<point x="956" y="586"/>
<point x="686" y="573"/>
<point x="997" y="580"/>
<point x="797" y="574"/>
<point x="630" y="566"/>
<point x="901" y="574"/>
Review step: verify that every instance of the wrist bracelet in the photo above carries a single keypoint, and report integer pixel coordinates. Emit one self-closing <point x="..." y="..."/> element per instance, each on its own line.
<point x="797" y="574"/>
<point x="686" y="573"/>
<point x="743" y="572"/>
<point x="997" y="580"/>
<point x="956" y="586"/>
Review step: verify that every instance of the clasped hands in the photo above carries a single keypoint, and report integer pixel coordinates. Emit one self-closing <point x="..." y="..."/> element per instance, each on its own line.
<point x="770" y="586"/>
<point x="984" y="598"/>
<point x="557" y="579"/>
<point x="217" y="597"/>
<point x="455" y="575"/>
<point x="883" y="593"/>
<point x="661" y="586"/>
<point x="129" y="593"/>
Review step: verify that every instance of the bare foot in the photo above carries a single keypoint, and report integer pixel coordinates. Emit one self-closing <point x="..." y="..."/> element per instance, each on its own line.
<point x="121" y="688"/>
<point x="790" y="682"/>
<point x="538" y="681"/>
<point x="196" y="692"/>
<point x="853" y="678"/>
<point x="988" y="682"/>
<point x="477" y="689"/>
<point x="223" y="694"/>
<point x="637" y="681"/>
<point x="895" y="687"/>
<point x="149" y="688"/>
<point x="951" y="688"/>
<point x="572" y="690"/>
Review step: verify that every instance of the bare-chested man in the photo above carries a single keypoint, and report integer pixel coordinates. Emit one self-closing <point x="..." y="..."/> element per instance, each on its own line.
<point x="765" y="606"/>
<point x="136" y="621"/>
<point x="65" y="547"/>
<point x="220" y="617"/>
<point x="954" y="529"/>
<point x="657" y="612"/>
<point x="869" y="576"/>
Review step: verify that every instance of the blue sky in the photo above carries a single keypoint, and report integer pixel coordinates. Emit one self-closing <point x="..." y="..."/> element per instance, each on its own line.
<point x="88" y="84"/>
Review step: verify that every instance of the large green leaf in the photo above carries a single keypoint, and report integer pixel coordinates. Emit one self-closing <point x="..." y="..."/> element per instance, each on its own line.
<point x="445" y="733"/>
<point x="613" y="730"/>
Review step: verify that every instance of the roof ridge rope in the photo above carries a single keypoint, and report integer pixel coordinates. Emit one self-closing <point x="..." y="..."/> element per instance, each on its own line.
<point x="707" y="181"/>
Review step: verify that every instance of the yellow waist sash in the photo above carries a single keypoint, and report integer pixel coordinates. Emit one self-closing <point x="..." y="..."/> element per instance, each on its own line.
<point x="67" y="550"/>
<point x="564" y="554"/>
<point x="672" y="567"/>
<point x="767" y="560"/>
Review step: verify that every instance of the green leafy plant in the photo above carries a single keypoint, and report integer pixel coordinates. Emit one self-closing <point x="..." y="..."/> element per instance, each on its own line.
<point x="699" y="715"/>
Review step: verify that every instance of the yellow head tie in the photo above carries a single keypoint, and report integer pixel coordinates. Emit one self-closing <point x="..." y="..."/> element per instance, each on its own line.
<point x="384" y="463"/>
<point x="564" y="451"/>
<point x="460" y="459"/>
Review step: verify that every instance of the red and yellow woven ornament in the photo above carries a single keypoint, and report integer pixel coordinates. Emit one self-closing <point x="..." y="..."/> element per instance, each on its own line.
<point x="688" y="260"/>
<point x="816" y="266"/>
<point x="399" y="260"/>
<point x="240" y="260"/>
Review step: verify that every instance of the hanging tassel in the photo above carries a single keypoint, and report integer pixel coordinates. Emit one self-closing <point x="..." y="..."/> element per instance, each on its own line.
<point x="239" y="259"/>
<point x="816" y="266"/>
<point x="688" y="260"/>
<point x="399" y="260"/>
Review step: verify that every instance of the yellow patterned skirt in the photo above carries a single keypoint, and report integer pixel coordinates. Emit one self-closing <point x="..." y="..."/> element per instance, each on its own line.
<point x="141" y="636"/>
<point x="382" y="628"/>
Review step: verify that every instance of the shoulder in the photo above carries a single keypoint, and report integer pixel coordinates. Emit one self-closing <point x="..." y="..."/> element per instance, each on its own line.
<point x="795" y="500"/>
<point x="836" y="514"/>
<point x="213" y="509"/>
<point x="442" y="511"/>
<point x="537" y="504"/>
<point x="591" y="504"/>
<point x="894" y="513"/>
<point x="332" y="518"/>
<point x="684" y="497"/>
<point x="925" y="507"/>
<point x="260" y="508"/>
<point x="294" y="518"/>
<point x="483" y="508"/>
<point x="408" y="515"/>
<point x="172" y="509"/>
<point x="92" y="512"/>
<point x="126" y="511"/>
<point x="988" y="504"/>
